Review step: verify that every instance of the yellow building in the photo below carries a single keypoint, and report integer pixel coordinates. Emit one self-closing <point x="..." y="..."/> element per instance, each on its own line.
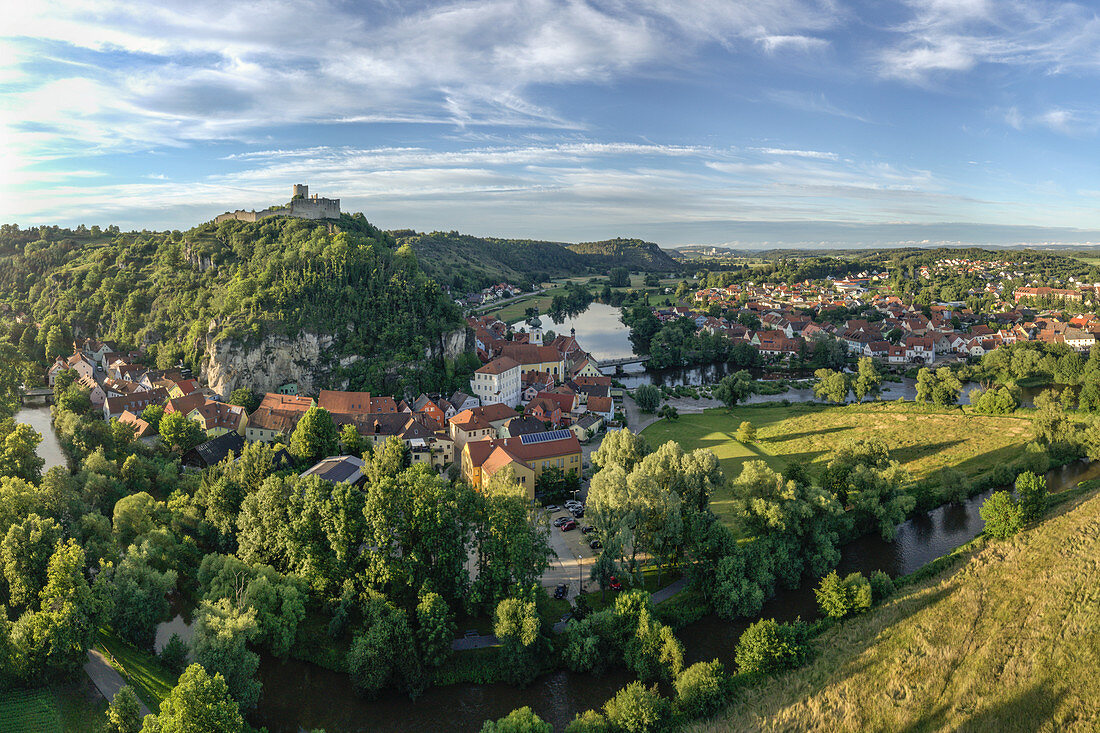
<point x="528" y="456"/>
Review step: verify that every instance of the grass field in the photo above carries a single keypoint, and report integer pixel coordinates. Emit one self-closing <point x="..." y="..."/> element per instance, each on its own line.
<point x="515" y="309"/>
<point x="56" y="709"/>
<point x="1008" y="641"/>
<point x="150" y="680"/>
<point x="921" y="439"/>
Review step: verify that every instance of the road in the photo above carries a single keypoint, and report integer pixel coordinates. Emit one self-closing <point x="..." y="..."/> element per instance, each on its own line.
<point x="638" y="421"/>
<point x="106" y="678"/>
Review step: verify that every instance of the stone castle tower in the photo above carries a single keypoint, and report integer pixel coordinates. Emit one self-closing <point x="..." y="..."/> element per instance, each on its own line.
<point x="301" y="206"/>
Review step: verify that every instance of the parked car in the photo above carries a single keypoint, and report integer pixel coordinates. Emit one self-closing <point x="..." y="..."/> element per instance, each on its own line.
<point x="569" y="524"/>
<point x="587" y="528"/>
<point x="578" y="513"/>
<point x="553" y="508"/>
<point x="559" y="521"/>
<point x="614" y="584"/>
<point x="561" y="591"/>
<point x="572" y="503"/>
<point x="595" y="544"/>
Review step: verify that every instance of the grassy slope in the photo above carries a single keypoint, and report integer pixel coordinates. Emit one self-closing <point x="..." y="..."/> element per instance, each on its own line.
<point x="923" y="440"/>
<point x="150" y="680"/>
<point x="1008" y="642"/>
<point x="63" y="708"/>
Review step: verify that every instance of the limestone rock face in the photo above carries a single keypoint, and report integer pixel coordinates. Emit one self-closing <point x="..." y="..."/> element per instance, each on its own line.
<point x="275" y="361"/>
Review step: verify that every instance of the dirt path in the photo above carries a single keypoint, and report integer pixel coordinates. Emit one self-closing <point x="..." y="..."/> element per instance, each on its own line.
<point x="106" y="678"/>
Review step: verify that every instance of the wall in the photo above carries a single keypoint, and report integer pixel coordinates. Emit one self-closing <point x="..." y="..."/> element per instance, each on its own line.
<point x="317" y="208"/>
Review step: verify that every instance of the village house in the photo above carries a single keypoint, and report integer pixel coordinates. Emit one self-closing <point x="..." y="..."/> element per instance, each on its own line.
<point x="498" y="382"/>
<point x="135" y="403"/>
<point x="528" y="456"/>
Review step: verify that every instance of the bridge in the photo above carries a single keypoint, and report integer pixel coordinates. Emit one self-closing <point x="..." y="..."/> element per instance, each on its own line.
<point x="44" y="394"/>
<point x="607" y="363"/>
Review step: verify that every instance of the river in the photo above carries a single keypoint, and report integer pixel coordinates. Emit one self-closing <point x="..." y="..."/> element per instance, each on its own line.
<point x="49" y="449"/>
<point x="301" y="695"/>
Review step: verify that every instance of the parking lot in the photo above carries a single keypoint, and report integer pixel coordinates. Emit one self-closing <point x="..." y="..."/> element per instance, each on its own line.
<point x="574" y="556"/>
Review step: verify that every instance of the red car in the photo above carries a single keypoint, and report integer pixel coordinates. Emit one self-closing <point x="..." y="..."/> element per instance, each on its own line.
<point x="568" y="526"/>
<point x="614" y="583"/>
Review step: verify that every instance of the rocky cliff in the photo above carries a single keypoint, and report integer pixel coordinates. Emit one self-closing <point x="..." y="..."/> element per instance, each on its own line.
<point x="266" y="366"/>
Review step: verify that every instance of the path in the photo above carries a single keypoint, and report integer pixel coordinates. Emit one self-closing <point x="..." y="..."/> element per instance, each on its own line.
<point x="474" y="642"/>
<point x="638" y="421"/>
<point x="106" y="678"/>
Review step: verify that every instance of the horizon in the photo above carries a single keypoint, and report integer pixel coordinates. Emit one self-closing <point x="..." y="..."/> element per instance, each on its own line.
<point x="802" y="123"/>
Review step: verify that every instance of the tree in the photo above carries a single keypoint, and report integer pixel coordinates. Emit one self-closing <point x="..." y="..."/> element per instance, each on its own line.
<point x="622" y="448"/>
<point x="220" y="643"/>
<point x="832" y="386"/>
<point x="926" y="384"/>
<point x="174" y="654"/>
<point x="522" y="720"/>
<point x="700" y="689"/>
<point x="770" y="646"/>
<point x="519" y="628"/>
<point x="384" y="655"/>
<point x="55" y="344"/>
<point x="590" y="721"/>
<point x="244" y="397"/>
<point x="25" y="553"/>
<point x="1031" y="493"/>
<point x="436" y="629"/>
<point x="947" y="388"/>
<point x="153" y="414"/>
<point x="619" y="277"/>
<point x="746" y="432"/>
<point x="350" y="442"/>
<point x="134" y="515"/>
<point x="18" y="456"/>
<point x="635" y="709"/>
<point x="1001" y="514"/>
<point x="868" y="381"/>
<point x="838" y="597"/>
<point x="314" y="437"/>
<point x="668" y="412"/>
<point x="198" y="703"/>
<point x="124" y="712"/>
<point x="647" y="397"/>
<point x="139" y="598"/>
<point x="179" y="432"/>
<point x="734" y="388"/>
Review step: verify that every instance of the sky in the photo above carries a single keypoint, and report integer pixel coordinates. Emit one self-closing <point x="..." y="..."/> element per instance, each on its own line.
<point x="741" y="123"/>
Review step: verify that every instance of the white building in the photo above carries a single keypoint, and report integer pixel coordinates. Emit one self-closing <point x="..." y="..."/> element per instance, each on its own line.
<point x="498" y="382"/>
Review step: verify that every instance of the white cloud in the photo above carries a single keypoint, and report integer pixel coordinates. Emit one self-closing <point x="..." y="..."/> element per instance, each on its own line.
<point x="775" y="44"/>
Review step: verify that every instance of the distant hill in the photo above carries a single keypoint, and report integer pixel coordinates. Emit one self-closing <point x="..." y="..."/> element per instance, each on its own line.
<point x="1009" y="641"/>
<point x="467" y="262"/>
<point x="634" y="254"/>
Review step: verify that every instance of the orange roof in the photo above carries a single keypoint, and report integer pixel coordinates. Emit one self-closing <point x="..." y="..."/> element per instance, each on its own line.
<point x="498" y="366"/>
<point x="276" y="401"/>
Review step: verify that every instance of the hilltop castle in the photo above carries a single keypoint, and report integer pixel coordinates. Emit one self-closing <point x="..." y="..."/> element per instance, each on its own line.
<point x="300" y="206"/>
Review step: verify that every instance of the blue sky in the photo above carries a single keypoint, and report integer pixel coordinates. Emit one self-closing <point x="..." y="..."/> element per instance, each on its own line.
<point x="748" y="123"/>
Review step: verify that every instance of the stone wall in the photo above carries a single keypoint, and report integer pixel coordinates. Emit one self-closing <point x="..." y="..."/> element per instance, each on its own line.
<point x="315" y="208"/>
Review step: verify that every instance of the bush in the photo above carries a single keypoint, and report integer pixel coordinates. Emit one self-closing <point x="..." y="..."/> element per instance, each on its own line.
<point x="1001" y="514"/>
<point x="769" y="646"/>
<point x="882" y="586"/>
<point x="174" y="654"/>
<point x="522" y="720"/>
<point x="839" y="598"/>
<point x="1031" y="492"/>
<point x="699" y="689"/>
<point x="635" y="709"/>
<point x="589" y="721"/>
<point x="746" y="432"/>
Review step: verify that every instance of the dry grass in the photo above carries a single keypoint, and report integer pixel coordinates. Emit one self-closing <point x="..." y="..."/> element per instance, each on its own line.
<point x="922" y="439"/>
<point x="1008" y="642"/>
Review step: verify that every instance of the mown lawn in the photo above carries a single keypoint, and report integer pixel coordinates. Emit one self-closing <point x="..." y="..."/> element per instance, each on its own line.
<point x="144" y="672"/>
<point x="59" y="708"/>
<point x="922" y="439"/>
<point x="1008" y="641"/>
<point x="515" y="309"/>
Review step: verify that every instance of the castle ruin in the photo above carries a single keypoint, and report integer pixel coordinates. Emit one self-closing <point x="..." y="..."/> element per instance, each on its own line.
<point x="301" y="206"/>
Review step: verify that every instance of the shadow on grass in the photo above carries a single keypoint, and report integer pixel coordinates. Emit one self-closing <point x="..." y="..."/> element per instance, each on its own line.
<point x="1027" y="710"/>
<point x="806" y="434"/>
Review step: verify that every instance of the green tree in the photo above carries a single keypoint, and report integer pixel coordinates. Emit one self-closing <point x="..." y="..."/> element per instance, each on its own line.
<point x="153" y="415"/>
<point x="619" y="277"/>
<point x="838" y="597"/>
<point x="134" y="515"/>
<point x="770" y="646"/>
<point x="25" y="553"/>
<point x="1001" y="514"/>
<point x="832" y="386"/>
<point x="436" y="629"/>
<point x="636" y="709"/>
<point x="55" y="344"/>
<point x="198" y="703"/>
<point x="511" y="540"/>
<point x="384" y="655"/>
<point x="590" y="721"/>
<point x="350" y="442"/>
<point x="220" y="643"/>
<point x="244" y="397"/>
<point x="174" y="654"/>
<point x="521" y="720"/>
<point x="734" y="388"/>
<point x="314" y="437"/>
<point x="622" y="448"/>
<point x="746" y="432"/>
<point x="868" y="382"/>
<point x="139" y="598"/>
<point x="647" y="397"/>
<point x="700" y="689"/>
<point x="124" y="712"/>
<point x="180" y="433"/>
<point x="1031" y="493"/>
<point x="18" y="456"/>
<point x="518" y="627"/>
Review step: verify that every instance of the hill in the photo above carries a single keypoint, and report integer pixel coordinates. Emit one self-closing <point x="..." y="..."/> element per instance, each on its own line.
<point x="633" y="254"/>
<point x="465" y="262"/>
<point x="1009" y="641"/>
<point x="278" y="299"/>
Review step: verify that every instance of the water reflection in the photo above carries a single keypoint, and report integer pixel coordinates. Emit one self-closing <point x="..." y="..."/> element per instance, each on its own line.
<point x="49" y="449"/>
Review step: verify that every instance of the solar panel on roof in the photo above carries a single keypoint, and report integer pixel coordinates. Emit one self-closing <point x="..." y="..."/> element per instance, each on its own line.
<point x="533" y="438"/>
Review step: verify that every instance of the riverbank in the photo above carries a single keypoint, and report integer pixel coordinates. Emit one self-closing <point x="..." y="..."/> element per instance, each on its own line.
<point x="1005" y="639"/>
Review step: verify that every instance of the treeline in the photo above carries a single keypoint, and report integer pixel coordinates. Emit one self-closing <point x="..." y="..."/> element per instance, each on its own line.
<point x="170" y="291"/>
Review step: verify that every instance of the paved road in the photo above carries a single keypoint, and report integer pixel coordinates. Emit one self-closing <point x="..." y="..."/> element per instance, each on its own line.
<point x="638" y="421"/>
<point x="106" y="678"/>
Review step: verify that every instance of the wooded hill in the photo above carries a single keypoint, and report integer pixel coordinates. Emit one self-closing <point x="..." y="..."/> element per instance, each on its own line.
<point x="468" y="263"/>
<point x="167" y="291"/>
<point x="1009" y="641"/>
